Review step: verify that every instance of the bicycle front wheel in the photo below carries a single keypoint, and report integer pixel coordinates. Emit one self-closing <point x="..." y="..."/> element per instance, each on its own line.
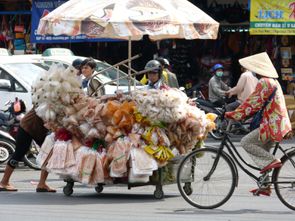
<point x="284" y="181"/>
<point x="206" y="180"/>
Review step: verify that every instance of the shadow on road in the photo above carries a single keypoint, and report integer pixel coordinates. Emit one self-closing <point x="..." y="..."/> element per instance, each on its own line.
<point x="31" y="198"/>
<point x="229" y="212"/>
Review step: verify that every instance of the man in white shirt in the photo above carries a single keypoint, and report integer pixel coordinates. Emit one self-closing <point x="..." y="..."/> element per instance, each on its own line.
<point x="245" y="86"/>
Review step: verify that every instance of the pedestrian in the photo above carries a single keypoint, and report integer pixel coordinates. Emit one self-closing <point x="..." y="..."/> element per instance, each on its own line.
<point x="245" y="86"/>
<point x="31" y="128"/>
<point x="91" y="84"/>
<point x="217" y="88"/>
<point x="154" y="75"/>
<point x="275" y="123"/>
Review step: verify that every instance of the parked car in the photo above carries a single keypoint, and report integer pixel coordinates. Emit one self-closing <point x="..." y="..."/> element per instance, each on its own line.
<point x="16" y="78"/>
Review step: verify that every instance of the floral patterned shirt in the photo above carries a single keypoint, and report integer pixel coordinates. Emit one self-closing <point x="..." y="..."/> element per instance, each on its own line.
<point x="275" y="123"/>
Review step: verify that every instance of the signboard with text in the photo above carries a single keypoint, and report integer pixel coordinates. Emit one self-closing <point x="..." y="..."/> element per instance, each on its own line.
<point x="272" y="17"/>
<point x="41" y="8"/>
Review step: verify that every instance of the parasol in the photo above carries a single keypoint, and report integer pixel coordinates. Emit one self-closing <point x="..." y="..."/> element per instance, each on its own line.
<point x="130" y="20"/>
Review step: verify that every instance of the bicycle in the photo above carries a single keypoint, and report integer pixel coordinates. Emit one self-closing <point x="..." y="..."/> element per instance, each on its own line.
<point x="207" y="177"/>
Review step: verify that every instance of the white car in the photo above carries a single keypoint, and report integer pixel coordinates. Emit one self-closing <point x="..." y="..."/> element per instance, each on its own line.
<point x="16" y="78"/>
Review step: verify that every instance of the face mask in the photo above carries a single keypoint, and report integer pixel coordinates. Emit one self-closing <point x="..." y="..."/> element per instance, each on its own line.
<point x="219" y="73"/>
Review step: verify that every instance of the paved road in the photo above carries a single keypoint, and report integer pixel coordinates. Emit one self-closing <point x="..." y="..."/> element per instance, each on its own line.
<point x="119" y="203"/>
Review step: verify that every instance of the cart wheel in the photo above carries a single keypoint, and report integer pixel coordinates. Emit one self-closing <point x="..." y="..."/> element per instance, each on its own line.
<point x="68" y="189"/>
<point x="159" y="194"/>
<point x="188" y="189"/>
<point x="99" y="188"/>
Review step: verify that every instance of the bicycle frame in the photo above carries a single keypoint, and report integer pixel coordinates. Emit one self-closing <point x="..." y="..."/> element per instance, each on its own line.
<point x="239" y="160"/>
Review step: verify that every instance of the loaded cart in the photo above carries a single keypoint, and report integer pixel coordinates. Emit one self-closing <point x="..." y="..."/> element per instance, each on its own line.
<point x="157" y="126"/>
<point x="134" y="139"/>
<point x="163" y="176"/>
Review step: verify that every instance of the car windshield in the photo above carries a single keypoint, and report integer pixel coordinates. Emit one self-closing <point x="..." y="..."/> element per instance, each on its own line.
<point x="27" y="72"/>
<point x="112" y="74"/>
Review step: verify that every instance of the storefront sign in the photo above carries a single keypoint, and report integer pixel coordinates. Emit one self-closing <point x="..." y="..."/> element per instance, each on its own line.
<point x="40" y="8"/>
<point x="272" y="17"/>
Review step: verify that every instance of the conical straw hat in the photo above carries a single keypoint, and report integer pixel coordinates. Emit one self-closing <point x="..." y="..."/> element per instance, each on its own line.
<point x="260" y="64"/>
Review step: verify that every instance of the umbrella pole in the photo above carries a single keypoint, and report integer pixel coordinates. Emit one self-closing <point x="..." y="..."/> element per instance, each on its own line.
<point x="129" y="63"/>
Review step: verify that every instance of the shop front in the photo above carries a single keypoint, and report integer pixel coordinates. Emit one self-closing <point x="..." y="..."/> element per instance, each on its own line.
<point x="15" y="29"/>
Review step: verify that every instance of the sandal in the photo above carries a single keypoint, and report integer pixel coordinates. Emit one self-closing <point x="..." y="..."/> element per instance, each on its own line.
<point x="265" y="191"/>
<point x="45" y="190"/>
<point x="7" y="188"/>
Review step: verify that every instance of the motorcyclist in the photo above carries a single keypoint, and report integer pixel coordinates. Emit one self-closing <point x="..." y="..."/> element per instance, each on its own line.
<point x="17" y="107"/>
<point x="217" y="88"/>
<point x="154" y="75"/>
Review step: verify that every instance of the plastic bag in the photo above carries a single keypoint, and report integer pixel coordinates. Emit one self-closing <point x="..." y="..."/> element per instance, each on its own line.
<point x="97" y="175"/>
<point x="58" y="158"/>
<point x="45" y="150"/>
<point x="142" y="163"/>
<point x="88" y="164"/>
<point x="132" y="178"/>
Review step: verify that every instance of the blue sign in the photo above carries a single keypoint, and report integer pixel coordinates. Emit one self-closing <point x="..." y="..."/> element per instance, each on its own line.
<point x="41" y="8"/>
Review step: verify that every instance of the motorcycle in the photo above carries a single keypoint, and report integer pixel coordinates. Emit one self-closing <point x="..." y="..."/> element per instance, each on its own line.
<point x="8" y="132"/>
<point x="238" y="128"/>
<point x="6" y="148"/>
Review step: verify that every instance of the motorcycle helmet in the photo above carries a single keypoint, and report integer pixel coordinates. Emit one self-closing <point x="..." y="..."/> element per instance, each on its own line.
<point x="154" y="66"/>
<point x="164" y="62"/>
<point x="217" y="66"/>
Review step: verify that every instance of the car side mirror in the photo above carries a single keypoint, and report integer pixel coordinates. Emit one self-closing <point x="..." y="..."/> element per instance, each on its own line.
<point x="5" y="84"/>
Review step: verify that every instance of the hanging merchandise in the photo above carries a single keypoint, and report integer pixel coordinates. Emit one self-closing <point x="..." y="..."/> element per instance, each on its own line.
<point x="19" y="28"/>
<point x="125" y="137"/>
<point x="19" y="44"/>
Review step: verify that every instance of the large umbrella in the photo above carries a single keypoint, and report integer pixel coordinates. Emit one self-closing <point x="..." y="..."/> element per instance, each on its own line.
<point x="130" y="20"/>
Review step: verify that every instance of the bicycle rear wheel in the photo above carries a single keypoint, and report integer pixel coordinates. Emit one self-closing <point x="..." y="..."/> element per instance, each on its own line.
<point x="206" y="191"/>
<point x="284" y="181"/>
